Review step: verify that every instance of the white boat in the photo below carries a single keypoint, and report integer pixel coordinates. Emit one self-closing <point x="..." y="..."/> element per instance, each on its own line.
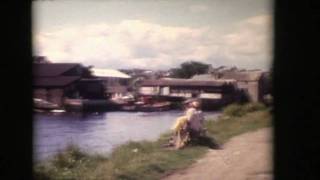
<point x="44" y="105"/>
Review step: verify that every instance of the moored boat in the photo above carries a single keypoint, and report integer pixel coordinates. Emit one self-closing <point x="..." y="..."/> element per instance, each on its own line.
<point x="41" y="104"/>
<point x="159" y="106"/>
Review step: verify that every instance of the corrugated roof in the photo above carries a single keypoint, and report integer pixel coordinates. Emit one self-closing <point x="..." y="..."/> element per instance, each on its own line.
<point x="109" y="73"/>
<point x="187" y="82"/>
<point x="52" y="69"/>
<point x="243" y="76"/>
<point x="58" y="81"/>
<point x="202" y="77"/>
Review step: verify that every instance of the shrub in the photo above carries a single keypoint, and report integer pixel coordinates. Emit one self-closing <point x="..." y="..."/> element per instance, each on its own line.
<point x="233" y="110"/>
<point x="238" y="110"/>
<point x="251" y="107"/>
<point x="69" y="157"/>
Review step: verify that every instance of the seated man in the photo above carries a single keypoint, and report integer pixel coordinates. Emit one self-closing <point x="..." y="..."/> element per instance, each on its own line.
<point x="195" y="120"/>
<point x="189" y="126"/>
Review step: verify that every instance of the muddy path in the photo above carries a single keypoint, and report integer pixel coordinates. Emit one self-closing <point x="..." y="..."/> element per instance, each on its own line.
<point x="244" y="157"/>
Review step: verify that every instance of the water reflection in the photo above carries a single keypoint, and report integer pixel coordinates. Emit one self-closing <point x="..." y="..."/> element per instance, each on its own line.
<point x="98" y="132"/>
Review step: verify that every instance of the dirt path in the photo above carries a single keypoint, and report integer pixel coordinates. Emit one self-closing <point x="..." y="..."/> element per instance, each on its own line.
<point x="244" y="157"/>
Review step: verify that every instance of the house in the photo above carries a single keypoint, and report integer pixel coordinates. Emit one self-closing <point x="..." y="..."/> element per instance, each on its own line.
<point x="254" y="84"/>
<point x="213" y="92"/>
<point x="53" y="81"/>
<point x="115" y="82"/>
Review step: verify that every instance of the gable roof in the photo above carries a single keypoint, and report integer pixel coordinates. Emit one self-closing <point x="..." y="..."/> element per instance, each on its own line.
<point x="203" y="77"/>
<point x="109" y="73"/>
<point x="52" y="69"/>
<point x="58" y="81"/>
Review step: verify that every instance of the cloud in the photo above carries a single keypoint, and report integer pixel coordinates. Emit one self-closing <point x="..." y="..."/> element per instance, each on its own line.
<point x="250" y="42"/>
<point x="198" y="8"/>
<point x="140" y="44"/>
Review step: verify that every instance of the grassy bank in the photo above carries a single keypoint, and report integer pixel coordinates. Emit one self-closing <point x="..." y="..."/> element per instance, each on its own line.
<point x="148" y="160"/>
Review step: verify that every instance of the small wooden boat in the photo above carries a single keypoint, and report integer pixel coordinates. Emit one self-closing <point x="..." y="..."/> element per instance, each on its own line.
<point x="159" y="106"/>
<point x="41" y="104"/>
<point x="140" y="106"/>
<point x="73" y="104"/>
<point x="90" y="105"/>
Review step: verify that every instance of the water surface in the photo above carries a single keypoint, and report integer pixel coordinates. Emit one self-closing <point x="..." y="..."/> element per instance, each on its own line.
<point x="98" y="133"/>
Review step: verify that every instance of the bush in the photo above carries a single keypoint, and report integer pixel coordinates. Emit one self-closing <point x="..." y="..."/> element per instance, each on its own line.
<point x="225" y="128"/>
<point x="250" y="107"/>
<point x="69" y="157"/>
<point x="233" y="110"/>
<point x="238" y="110"/>
<point x="71" y="163"/>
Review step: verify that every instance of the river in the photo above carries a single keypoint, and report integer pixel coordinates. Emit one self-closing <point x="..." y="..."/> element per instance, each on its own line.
<point x="98" y="132"/>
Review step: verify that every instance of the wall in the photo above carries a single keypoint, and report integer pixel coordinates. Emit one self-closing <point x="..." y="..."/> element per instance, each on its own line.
<point x="149" y="90"/>
<point x="251" y="89"/>
<point x="40" y="94"/>
<point x="55" y="96"/>
<point x="51" y="95"/>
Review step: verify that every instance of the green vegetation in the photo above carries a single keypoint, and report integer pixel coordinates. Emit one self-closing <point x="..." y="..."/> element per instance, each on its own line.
<point x="189" y="69"/>
<point x="251" y="118"/>
<point x="148" y="160"/>
<point x="238" y="110"/>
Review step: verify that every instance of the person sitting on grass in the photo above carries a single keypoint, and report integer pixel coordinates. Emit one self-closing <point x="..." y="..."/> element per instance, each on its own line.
<point x="188" y="127"/>
<point x="195" y="121"/>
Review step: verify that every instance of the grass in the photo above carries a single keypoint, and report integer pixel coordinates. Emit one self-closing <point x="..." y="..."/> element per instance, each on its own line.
<point x="148" y="160"/>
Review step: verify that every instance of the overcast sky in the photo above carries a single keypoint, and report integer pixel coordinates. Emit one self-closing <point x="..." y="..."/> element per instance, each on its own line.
<point x="154" y="34"/>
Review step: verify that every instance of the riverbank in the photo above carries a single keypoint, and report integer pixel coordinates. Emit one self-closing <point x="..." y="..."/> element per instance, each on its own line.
<point x="148" y="160"/>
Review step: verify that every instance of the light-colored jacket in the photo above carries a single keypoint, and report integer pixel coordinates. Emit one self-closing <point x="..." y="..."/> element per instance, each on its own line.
<point x="195" y="118"/>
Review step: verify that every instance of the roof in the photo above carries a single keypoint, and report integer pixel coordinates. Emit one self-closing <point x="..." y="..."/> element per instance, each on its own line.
<point x="244" y="75"/>
<point x="52" y="69"/>
<point x="202" y="77"/>
<point x="58" y="81"/>
<point x="186" y="82"/>
<point x="109" y="73"/>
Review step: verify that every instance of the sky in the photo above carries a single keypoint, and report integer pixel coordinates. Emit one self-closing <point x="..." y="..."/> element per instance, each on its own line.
<point x="154" y="34"/>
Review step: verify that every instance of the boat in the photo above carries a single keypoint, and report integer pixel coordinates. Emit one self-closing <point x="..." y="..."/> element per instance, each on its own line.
<point x="43" y="105"/>
<point x="73" y="104"/>
<point x="90" y="105"/>
<point x="158" y="106"/>
<point x="57" y="111"/>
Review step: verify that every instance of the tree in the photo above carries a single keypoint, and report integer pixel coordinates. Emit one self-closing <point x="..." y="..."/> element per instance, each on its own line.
<point x="189" y="69"/>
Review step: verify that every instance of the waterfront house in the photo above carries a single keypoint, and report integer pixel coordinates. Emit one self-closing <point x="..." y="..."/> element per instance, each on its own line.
<point x="115" y="82"/>
<point x="53" y="81"/>
<point x="213" y="92"/>
<point x="253" y="84"/>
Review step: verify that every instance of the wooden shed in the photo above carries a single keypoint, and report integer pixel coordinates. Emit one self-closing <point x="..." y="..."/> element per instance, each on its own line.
<point x="253" y="83"/>
<point x="53" y="81"/>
